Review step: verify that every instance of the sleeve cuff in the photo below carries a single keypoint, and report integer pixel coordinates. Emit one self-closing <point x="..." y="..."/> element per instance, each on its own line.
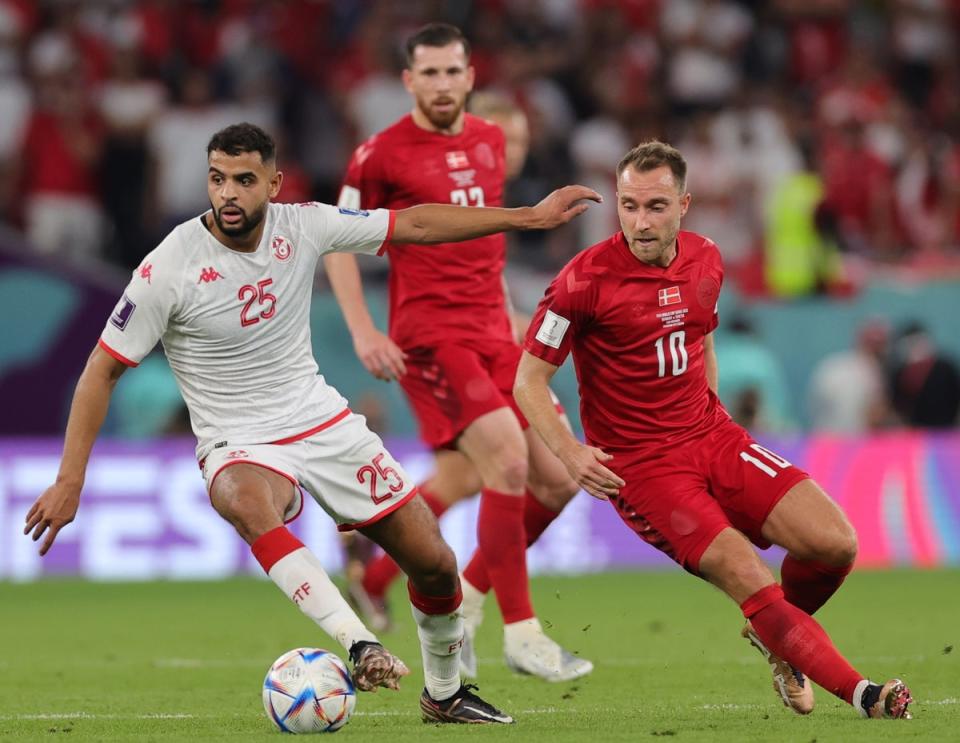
<point x="390" y="226"/>
<point x="118" y="356"/>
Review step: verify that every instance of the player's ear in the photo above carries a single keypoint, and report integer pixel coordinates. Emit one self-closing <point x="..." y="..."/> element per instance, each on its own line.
<point x="685" y="203"/>
<point x="407" y="77"/>
<point x="275" y="182"/>
<point x="471" y="76"/>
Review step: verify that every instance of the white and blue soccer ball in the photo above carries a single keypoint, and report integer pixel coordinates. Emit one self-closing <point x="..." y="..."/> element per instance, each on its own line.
<point x="308" y="690"/>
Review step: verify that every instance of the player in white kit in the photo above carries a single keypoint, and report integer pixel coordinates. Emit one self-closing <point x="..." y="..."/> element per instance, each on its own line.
<point x="228" y="296"/>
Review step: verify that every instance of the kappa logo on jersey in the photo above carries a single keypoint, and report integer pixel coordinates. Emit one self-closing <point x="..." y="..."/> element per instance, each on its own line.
<point x="353" y="212"/>
<point x="209" y="274"/>
<point x="668" y="296"/>
<point x="146" y="272"/>
<point x="282" y="248"/>
<point x="123" y="312"/>
<point x="457" y="160"/>
<point x="238" y="454"/>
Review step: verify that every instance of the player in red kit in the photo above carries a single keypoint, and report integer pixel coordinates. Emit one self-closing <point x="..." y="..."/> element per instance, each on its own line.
<point x="450" y="338"/>
<point x="454" y="477"/>
<point x="637" y="311"/>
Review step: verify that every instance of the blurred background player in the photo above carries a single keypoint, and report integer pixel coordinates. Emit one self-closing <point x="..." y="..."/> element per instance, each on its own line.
<point x="638" y="312"/>
<point x="455" y="477"/>
<point x="451" y="343"/>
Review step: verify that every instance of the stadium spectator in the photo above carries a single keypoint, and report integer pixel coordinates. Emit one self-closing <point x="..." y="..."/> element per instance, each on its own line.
<point x="638" y="312"/>
<point x="801" y="255"/>
<point x="57" y="163"/>
<point x="848" y="389"/>
<point x="129" y="102"/>
<point x="176" y="135"/>
<point x="925" y="384"/>
<point x="753" y="386"/>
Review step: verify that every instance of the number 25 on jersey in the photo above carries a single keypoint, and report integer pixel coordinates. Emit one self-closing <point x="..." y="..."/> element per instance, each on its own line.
<point x="266" y="302"/>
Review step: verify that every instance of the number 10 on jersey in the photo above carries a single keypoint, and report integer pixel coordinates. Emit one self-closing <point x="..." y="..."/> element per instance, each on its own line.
<point x="676" y="343"/>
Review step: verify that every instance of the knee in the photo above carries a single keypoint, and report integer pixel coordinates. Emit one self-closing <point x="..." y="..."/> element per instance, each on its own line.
<point x="731" y="564"/>
<point x="512" y="469"/>
<point x="842" y="549"/>
<point x="555" y="496"/>
<point x="436" y="575"/>
<point x="241" y="513"/>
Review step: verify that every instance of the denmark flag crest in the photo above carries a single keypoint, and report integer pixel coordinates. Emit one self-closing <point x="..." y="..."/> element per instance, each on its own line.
<point x="457" y="159"/>
<point x="670" y="295"/>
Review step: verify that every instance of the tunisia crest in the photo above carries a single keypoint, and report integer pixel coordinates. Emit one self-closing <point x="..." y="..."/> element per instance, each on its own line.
<point x="282" y="248"/>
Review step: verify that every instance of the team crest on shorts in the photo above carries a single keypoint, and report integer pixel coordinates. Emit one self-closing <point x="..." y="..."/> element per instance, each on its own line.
<point x="282" y="248"/>
<point x="238" y="454"/>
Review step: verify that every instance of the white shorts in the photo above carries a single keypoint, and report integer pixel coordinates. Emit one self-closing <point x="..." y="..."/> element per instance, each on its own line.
<point x="344" y="466"/>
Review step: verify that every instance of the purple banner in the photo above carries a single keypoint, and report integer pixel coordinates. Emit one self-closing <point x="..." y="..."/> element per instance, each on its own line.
<point x="144" y="512"/>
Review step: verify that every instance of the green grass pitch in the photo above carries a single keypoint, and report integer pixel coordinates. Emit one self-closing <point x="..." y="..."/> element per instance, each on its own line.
<point x="184" y="661"/>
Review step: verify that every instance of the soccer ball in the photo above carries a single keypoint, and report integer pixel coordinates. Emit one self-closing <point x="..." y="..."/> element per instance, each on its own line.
<point x="309" y="691"/>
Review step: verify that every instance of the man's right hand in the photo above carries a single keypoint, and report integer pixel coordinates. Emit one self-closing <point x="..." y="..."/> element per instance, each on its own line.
<point x="52" y="511"/>
<point x="379" y="355"/>
<point x="584" y="465"/>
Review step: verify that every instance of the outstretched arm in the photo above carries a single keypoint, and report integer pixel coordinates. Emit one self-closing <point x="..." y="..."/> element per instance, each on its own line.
<point x="584" y="463"/>
<point x="439" y="223"/>
<point x="379" y="355"/>
<point x="58" y="505"/>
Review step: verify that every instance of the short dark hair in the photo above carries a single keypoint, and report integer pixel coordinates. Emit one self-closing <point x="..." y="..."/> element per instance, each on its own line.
<point x="436" y="34"/>
<point x="239" y="138"/>
<point x="652" y="155"/>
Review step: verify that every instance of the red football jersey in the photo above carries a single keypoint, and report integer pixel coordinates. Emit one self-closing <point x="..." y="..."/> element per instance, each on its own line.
<point x="447" y="292"/>
<point x="636" y="332"/>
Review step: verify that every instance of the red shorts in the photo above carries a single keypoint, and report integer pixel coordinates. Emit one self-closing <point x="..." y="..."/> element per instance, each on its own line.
<point x="679" y="499"/>
<point x="450" y="386"/>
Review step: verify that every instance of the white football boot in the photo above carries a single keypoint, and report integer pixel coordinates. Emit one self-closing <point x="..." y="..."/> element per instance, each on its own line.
<point x="529" y="651"/>
<point x="472" y="610"/>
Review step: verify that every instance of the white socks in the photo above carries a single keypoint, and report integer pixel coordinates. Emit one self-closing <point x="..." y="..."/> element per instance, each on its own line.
<point x="441" y="636"/>
<point x="301" y="577"/>
<point x="524" y="630"/>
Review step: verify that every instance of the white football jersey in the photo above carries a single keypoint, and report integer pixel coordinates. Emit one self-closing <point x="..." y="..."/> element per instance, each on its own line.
<point x="236" y="326"/>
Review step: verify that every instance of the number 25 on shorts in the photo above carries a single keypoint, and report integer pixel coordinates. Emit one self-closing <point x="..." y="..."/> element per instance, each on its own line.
<point x="375" y="472"/>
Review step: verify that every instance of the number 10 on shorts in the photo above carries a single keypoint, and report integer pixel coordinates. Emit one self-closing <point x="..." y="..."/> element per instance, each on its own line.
<point x="775" y="460"/>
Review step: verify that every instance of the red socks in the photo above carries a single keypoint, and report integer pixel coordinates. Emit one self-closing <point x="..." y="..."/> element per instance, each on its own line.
<point x="502" y="541"/>
<point x="273" y="546"/>
<point x="808" y="584"/>
<point x="434" y="605"/>
<point x="536" y="519"/>
<point x="381" y="571"/>
<point x="796" y="637"/>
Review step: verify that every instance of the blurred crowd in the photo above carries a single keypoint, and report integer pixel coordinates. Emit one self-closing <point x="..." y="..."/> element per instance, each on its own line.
<point x="823" y="136"/>
<point x="888" y="378"/>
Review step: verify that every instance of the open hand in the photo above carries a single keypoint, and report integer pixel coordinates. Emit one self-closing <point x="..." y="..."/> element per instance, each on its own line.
<point x="584" y="463"/>
<point x="379" y="355"/>
<point x="560" y="206"/>
<point x="52" y="511"/>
